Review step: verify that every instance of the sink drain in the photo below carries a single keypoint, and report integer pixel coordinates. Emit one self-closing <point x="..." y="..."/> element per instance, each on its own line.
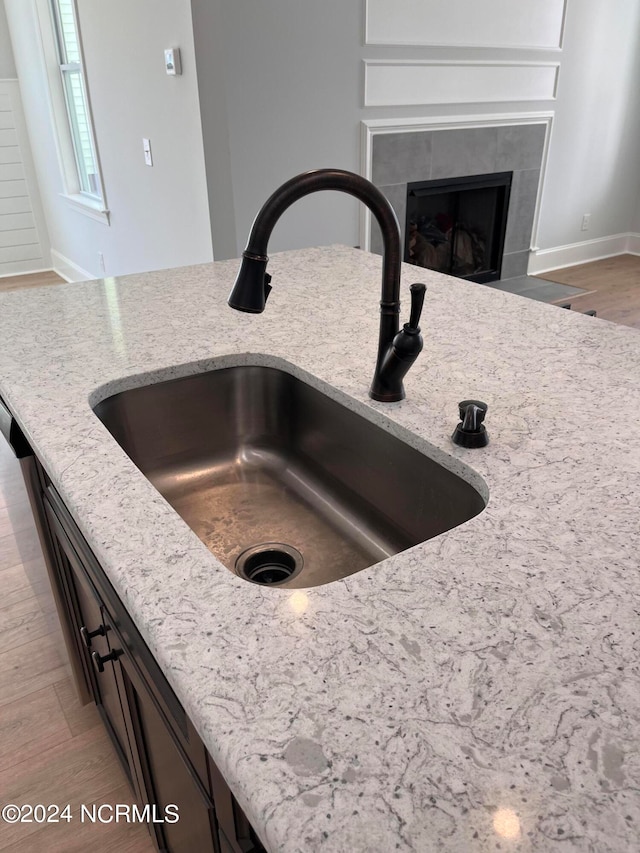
<point x="270" y="564"/>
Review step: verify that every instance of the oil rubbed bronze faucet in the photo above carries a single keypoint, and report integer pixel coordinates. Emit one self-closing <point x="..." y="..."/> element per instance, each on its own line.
<point x="397" y="350"/>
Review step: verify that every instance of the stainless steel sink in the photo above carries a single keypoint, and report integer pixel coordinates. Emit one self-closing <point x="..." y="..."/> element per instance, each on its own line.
<point x="283" y="484"/>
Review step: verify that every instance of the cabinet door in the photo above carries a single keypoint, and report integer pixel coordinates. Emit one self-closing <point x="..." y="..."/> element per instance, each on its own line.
<point x="168" y="778"/>
<point x="236" y="833"/>
<point x="32" y="473"/>
<point x="92" y="643"/>
<point x="162" y="754"/>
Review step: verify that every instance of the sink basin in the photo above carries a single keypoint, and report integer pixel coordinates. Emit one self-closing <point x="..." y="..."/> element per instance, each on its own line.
<point x="283" y="484"/>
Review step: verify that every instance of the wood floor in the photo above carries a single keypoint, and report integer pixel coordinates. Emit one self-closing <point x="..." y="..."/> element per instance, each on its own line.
<point x="36" y="279"/>
<point x="52" y="750"/>
<point x="614" y="284"/>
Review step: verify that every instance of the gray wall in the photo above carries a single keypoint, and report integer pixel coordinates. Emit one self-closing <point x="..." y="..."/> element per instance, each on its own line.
<point x="292" y="84"/>
<point x="208" y="35"/>
<point x="7" y="64"/>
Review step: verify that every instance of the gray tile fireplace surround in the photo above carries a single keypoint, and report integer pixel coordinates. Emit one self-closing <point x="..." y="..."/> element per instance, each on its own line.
<point x="424" y="155"/>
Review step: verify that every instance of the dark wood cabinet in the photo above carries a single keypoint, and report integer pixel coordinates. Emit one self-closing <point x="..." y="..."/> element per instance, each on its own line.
<point x="165" y="780"/>
<point x="91" y="639"/>
<point x="168" y="779"/>
<point x="168" y="767"/>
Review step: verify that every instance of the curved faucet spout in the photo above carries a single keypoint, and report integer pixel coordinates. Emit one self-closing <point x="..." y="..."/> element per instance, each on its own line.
<point x="252" y="287"/>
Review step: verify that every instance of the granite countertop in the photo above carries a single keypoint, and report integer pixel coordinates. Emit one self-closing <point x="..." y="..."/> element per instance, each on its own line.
<point x="477" y="692"/>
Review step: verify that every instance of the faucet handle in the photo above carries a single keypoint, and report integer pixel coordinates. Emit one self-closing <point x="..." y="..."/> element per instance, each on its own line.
<point x="473" y="408"/>
<point x="417" y="301"/>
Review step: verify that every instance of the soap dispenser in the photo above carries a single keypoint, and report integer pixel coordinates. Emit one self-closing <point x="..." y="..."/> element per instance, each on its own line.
<point x="471" y="432"/>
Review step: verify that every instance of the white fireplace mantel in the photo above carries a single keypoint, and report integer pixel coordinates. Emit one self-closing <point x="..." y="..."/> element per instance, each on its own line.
<point x="373" y="127"/>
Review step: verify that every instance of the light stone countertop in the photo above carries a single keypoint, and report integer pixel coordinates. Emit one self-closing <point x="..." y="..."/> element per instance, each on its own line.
<point x="477" y="692"/>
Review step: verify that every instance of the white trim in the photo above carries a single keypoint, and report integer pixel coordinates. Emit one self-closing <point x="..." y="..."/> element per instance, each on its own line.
<point x="415" y="41"/>
<point x="373" y="127"/>
<point x="405" y="82"/>
<point x="25" y="272"/>
<point x="67" y="270"/>
<point x="559" y="257"/>
<point x="92" y="124"/>
<point x="56" y="104"/>
<point x="633" y="245"/>
<point x="89" y="207"/>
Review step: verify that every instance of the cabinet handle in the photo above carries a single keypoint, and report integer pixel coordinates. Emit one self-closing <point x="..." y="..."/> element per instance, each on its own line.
<point x="100" y="660"/>
<point x="87" y="636"/>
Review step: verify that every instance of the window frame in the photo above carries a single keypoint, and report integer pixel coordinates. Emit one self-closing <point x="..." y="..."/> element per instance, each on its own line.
<point x="92" y="205"/>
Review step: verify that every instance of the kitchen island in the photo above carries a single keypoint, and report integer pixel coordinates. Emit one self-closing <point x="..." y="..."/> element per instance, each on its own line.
<point x="480" y="691"/>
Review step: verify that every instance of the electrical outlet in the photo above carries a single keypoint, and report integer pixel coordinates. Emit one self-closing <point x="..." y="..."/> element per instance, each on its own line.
<point x="585" y="221"/>
<point x="101" y="262"/>
<point x="148" y="159"/>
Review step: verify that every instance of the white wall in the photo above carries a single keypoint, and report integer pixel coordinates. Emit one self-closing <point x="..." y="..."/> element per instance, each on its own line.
<point x="293" y="100"/>
<point x="7" y="65"/>
<point x="595" y="149"/>
<point x="159" y="215"/>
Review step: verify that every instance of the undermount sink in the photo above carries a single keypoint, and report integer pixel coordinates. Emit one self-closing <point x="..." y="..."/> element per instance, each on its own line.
<point x="283" y="484"/>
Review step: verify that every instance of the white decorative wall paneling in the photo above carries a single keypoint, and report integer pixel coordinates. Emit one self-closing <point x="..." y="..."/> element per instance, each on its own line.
<point x="374" y="127"/>
<point x="21" y="248"/>
<point x="408" y="83"/>
<point x="490" y="23"/>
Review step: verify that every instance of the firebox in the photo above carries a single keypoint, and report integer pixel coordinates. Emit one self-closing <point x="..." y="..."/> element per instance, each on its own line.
<point x="457" y="225"/>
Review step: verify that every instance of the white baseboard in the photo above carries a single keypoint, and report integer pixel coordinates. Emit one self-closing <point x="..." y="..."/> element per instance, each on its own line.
<point x="24" y="268"/>
<point x="67" y="270"/>
<point x="634" y="244"/>
<point x="544" y="260"/>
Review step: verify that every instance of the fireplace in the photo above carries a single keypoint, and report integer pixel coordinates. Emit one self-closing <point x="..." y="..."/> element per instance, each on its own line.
<point x="457" y="225"/>
<point x="412" y="152"/>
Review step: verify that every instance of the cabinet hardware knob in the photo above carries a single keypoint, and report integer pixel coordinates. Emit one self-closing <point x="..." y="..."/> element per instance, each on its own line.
<point x="100" y="660"/>
<point x="87" y="635"/>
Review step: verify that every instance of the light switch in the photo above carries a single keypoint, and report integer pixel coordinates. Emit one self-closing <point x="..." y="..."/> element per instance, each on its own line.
<point x="148" y="159"/>
<point x="172" y="61"/>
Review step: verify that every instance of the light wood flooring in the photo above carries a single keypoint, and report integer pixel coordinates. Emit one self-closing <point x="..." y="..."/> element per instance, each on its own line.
<point x="612" y="285"/>
<point x="36" y="279"/>
<point x="52" y="750"/>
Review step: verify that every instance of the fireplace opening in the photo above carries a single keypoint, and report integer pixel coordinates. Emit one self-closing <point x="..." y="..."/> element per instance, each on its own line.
<point x="457" y="225"/>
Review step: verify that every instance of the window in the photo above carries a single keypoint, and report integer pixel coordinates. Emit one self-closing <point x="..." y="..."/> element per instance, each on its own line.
<point x="75" y="94"/>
